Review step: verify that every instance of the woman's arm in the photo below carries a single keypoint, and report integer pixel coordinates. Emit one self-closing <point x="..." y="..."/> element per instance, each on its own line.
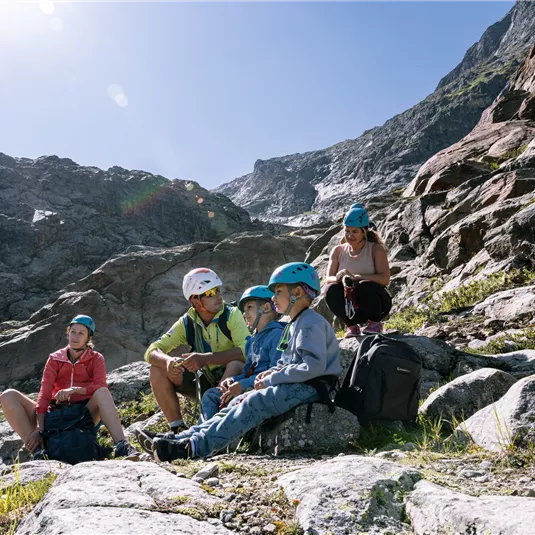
<point x="334" y="263"/>
<point x="50" y="374"/>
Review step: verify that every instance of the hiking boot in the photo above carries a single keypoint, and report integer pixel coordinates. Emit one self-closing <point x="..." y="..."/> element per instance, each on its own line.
<point x="373" y="327"/>
<point x="352" y="331"/>
<point x="166" y="449"/>
<point x="123" y="448"/>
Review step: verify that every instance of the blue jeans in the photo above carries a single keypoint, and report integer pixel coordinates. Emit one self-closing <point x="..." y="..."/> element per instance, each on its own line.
<point x="244" y="413"/>
<point x="210" y="403"/>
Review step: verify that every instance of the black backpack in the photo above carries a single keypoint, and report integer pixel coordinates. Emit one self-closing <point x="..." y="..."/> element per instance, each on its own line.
<point x="70" y="435"/>
<point x="222" y="323"/>
<point x="382" y="382"/>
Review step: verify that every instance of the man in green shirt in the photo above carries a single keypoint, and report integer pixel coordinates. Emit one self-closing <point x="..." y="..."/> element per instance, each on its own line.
<point x="216" y="334"/>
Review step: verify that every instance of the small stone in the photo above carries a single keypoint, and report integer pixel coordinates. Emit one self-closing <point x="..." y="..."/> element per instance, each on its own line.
<point x="485" y="465"/>
<point x="250" y="513"/>
<point x="529" y="492"/>
<point x="256" y="530"/>
<point x="525" y="480"/>
<point x="226" y="515"/>
<point x="481" y="479"/>
<point x="212" y="482"/>
<point x="470" y="473"/>
<point x="409" y="446"/>
<point x="209" y="470"/>
<point x="230" y="497"/>
<point x="270" y="528"/>
<point x="197" y="479"/>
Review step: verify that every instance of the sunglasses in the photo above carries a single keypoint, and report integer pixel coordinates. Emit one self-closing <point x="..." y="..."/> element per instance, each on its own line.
<point x="212" y="292"/>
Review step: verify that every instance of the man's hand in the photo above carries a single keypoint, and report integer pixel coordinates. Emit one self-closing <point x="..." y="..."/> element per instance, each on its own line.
<point x="235" y="389"/>
<point x="225" y="384"/>
<point x="174" y="367"/>
<point x="64" y="394"/>
<point x="34" y="442"/>
<point x="194" y="361"/>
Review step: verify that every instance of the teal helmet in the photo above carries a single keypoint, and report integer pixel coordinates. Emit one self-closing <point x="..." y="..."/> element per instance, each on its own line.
<point x="295" y="273"/>
<point x="253" y="293"/>
<point x="84" y="320"/>
<point x="357" y="216"/>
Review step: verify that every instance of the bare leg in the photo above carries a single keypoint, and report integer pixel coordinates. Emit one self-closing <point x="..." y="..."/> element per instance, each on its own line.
<point x="19" y="411"/>
<point x="234" y="367"/>
<point x="163" y="388"/>
<point x="102" y="407"/>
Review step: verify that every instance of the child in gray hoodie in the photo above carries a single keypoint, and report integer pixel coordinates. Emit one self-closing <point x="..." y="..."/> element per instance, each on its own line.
<point x="309" y="351"/>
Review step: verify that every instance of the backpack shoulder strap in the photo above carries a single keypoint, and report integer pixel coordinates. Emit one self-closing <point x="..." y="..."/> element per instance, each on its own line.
<point x="223" y="321"/>
<point x="190" y="331"/>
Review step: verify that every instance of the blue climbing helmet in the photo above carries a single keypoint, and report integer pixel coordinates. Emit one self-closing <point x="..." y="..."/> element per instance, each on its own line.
<point x="295" y="273"/>
<point x="357" y="216"/>
<point x="254" y="293"/>
<point x="84" y="320"/>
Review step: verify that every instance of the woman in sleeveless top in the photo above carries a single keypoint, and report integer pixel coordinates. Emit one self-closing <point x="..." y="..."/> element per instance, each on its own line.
<point x="357" y="276"/>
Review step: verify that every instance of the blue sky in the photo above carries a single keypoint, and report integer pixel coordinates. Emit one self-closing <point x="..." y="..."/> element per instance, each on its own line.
<point x="201" y="91"/>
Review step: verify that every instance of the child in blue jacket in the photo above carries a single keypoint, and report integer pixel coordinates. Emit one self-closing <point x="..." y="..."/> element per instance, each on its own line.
<point x="261" y="349"/>
<point x="310" y="352"/>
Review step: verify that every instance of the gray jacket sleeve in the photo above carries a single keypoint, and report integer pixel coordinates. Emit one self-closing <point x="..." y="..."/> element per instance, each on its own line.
<point x="309" y="357"/>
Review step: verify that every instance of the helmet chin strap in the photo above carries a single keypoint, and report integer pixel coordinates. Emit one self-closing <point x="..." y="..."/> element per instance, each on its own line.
<point x="259" y="312"/>
<point x="293" y="300"/>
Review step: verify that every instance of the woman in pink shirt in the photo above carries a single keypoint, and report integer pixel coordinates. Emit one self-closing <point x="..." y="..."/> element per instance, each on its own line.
<point x="358" y="275"/>
<point x="75" y="374"/>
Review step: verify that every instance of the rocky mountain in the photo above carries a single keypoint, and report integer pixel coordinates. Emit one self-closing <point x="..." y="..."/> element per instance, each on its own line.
<point x="59" y="221"/>
<point x="318" y="185"/>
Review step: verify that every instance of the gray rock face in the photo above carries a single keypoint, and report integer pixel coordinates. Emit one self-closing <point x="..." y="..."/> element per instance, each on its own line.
<point x="510" y="421"/>
<point x="59" y="221"/>
<point x="434" y="510"/>
<point x="31" y="471"/>
<point x="136" y="296"/>
<point x="326" y="433"/>
<point x="350" y="494"/>
<point x="466" y="395"/>
<point x="118" y="497"/>
<point x="388" y="157"/>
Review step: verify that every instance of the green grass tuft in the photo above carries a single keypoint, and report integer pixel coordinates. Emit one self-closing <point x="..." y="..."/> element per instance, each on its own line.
<point x="18" y="500"/>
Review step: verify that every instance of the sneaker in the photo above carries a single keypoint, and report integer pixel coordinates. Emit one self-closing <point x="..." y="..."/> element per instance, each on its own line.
<point x="166" y="449"/>
<point x="352" y="331"/>
<point x="146" y="438"/>
<point x="124" y="449"/>
<point x="373" y="327"/>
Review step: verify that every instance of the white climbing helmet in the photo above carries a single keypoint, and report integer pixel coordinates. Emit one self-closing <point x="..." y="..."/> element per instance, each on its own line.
<point x="198" y="281"/>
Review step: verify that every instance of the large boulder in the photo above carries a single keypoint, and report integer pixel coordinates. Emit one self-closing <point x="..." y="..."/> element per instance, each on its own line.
<point x="351" y="494"/>
<point x="128" y="382"/>
<point x="437" y="510"/>
<point x="22" y="474"/>
<point x="10" y="443"/>
<point x="326" y="433"/>
<point x="509" y="305"/>
<point x="467" y="394"/>
<point x="120" y="497"/>
<point x="507" y="423"/>
<point x="136" y="296"/>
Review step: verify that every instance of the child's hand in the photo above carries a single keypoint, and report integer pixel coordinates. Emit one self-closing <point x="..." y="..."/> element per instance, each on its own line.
<point x="259" y="381"/>
<point x="226" y="383"/>
<point x="235" y="389"/>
